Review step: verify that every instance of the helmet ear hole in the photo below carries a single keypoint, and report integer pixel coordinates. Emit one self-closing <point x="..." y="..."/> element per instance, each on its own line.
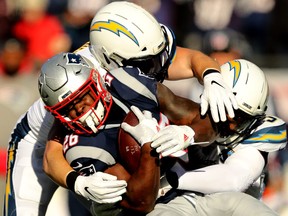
<point x="106" y="59"/>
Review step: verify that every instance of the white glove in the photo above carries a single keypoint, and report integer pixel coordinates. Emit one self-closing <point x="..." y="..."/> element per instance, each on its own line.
<point x="100" y="187"/>
<point x="173" y="138"/>
<point x="146" y="128"/>
<point x="219" y="96"/>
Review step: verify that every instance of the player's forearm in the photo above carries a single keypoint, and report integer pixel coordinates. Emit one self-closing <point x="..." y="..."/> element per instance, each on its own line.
<point x="143" y="185"/>
<point x="238" y="172"/>
<point x="54" y="163"/>
<point x="186" y="114"/>
<point x="190" y="63"/>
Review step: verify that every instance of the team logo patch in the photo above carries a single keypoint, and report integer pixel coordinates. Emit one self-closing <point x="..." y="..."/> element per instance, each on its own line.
<point x="88" y="170"/>
<point x="75" y="59"/>
<point x="114" y="27"/>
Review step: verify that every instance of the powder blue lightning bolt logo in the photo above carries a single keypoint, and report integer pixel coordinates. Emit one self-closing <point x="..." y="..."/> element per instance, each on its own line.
<point x="114" y="27"/>
<point x="235" y="66"/>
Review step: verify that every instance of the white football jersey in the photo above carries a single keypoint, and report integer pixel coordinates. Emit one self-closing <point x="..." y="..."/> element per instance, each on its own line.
<point x="270" y="136"/>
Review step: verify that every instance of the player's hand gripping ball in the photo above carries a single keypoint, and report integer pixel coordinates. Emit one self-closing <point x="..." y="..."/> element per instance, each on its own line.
<point x="129" y="148"/>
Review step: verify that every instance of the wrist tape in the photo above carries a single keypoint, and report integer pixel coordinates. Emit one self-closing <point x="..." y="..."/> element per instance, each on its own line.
<point x="70" y="180"/>
<point x="209" y="71"/>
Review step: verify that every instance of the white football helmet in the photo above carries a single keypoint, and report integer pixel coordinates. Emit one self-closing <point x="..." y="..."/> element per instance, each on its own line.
<point x="124" y="34"/>
<point x="64" y="79"/>
<point x="248" y="83"/>
<point x="250" y="87"/>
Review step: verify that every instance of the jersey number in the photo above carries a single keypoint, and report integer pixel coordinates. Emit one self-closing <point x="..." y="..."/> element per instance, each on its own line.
<point x="70" y="141"/>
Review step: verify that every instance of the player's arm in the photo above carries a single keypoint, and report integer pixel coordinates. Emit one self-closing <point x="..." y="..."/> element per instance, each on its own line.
<point x="190" y="63"/>
<point x="143" y="184"/>
<point x="238" y="172"/>
<point x="54" y="163"/>
<point x="216" y="95"/>
<point x="189" y="128"/>
<point x="182" y="111"/>
<point x="99" y="187"/>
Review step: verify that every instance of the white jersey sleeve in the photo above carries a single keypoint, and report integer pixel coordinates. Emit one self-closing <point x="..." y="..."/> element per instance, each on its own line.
<point x="238" y="172"/>
<point x="243" y="167"/>
<point x="39" y="122"/>
<point x="270" y="136"/>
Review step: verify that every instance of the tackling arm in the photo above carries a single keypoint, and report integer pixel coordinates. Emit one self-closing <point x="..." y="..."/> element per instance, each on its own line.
<point x="238" y="172"/>
<point x="216" y="95"/>
<point x="182" y="111"/>
<point x="190" y="63"/>
<point x="143" y="185"/>
<point x="54" y="158"/>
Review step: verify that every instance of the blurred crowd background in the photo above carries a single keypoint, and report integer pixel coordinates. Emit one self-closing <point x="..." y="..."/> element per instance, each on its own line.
<point x="31" y="31"/>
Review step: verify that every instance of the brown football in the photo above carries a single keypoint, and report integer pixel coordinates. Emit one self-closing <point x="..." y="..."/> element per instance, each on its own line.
<point x="129" y="148"/>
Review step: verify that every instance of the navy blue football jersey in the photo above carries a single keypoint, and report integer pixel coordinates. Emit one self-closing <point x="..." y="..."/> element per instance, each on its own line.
<point x="92" y="153"/>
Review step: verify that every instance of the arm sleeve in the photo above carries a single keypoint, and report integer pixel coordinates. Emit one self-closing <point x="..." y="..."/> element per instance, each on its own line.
<point x="239" y="171"/>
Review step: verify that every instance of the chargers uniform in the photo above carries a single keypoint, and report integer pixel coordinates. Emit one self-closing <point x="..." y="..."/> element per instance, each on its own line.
<point x="212" y="196"/>
<point x="269" y="136"/>
<point x="24" y="164"/>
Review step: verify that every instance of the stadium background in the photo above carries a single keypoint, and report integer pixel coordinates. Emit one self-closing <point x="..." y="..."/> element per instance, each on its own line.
<point x="253" y="29"/>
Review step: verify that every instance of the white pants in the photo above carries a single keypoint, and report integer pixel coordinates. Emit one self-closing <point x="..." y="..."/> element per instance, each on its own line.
<point x="28" y="189"/>
<point x="218" y="204"/>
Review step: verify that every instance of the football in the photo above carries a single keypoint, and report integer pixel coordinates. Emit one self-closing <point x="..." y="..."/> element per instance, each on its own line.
<point x="129" y="148"/>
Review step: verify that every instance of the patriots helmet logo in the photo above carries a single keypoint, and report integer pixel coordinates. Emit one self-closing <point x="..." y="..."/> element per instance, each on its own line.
<point x="75" y="59"/>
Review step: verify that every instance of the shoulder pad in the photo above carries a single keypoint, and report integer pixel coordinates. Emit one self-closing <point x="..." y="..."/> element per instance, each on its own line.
<point x="270" y="136"/>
